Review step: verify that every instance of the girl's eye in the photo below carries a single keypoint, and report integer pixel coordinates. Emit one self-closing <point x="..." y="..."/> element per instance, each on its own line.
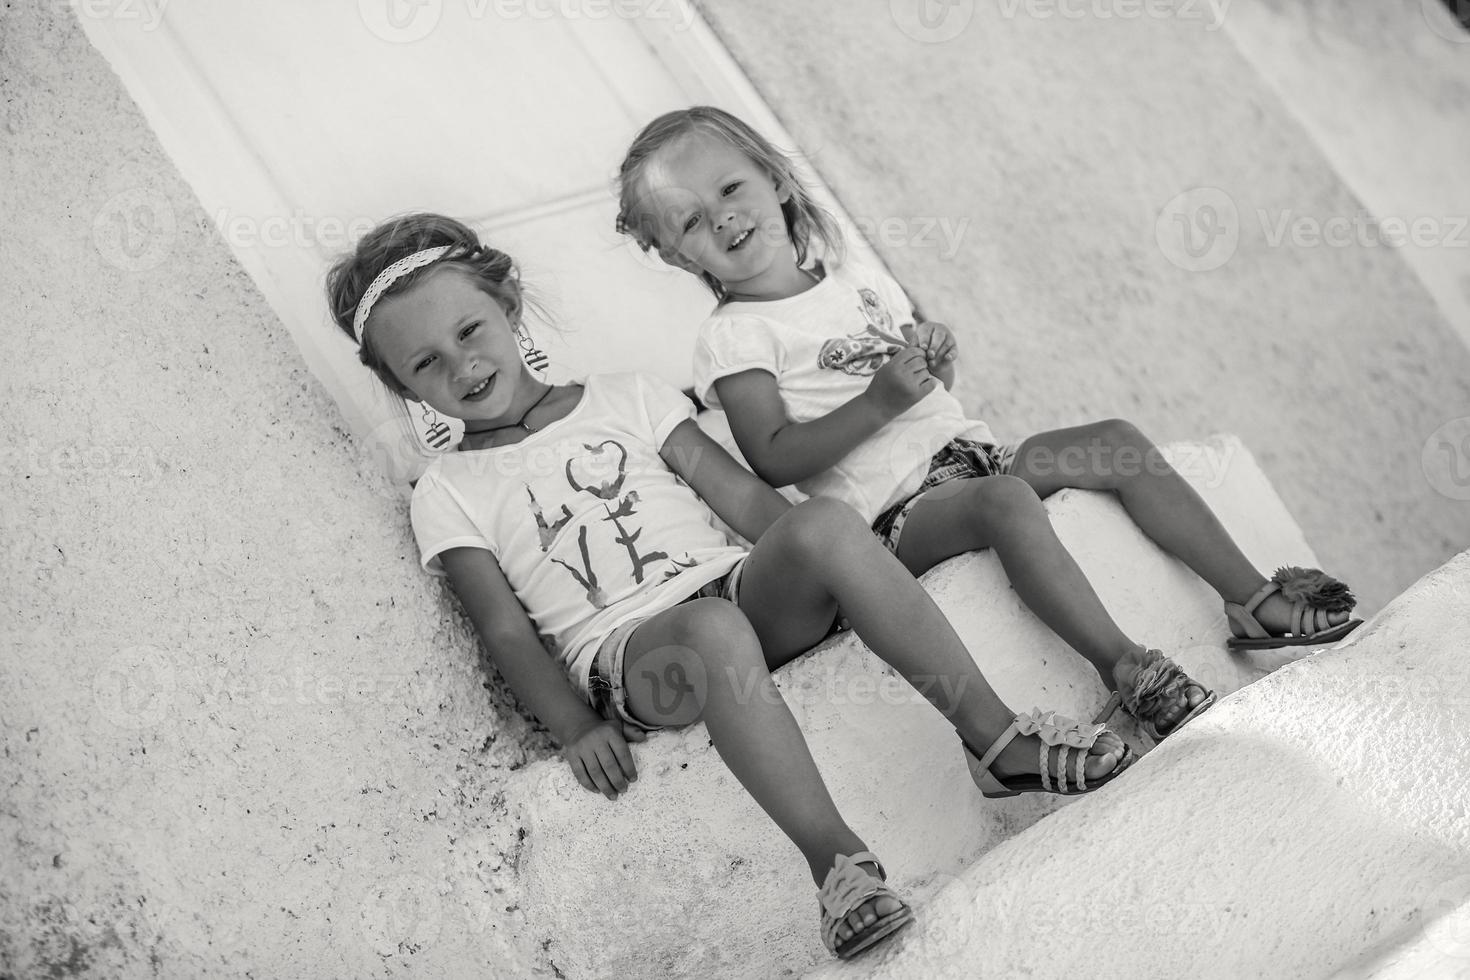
<point x="422" y="364"/>
<point x="730" y="188"/>
<point x="469" y="329"/>
<point x="690" y="222"/>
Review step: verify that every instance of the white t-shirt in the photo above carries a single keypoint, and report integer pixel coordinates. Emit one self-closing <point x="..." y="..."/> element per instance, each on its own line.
<point x="823" y="346"/>
<point x="588" y="523"/>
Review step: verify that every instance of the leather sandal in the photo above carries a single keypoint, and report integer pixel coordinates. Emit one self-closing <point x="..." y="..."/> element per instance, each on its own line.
<point x="846" y="888"/>
<point x="1159" y="683"/>
<point x="1314" y="595"/>
<point x="1071" y="738"/>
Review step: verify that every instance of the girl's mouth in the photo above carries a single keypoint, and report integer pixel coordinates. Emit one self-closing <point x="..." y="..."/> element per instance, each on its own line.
<point x="480" y="390"/>
<point x="740" y="239"/>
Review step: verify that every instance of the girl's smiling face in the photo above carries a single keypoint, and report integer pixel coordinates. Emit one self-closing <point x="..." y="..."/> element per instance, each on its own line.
<point x="452" y="346"/>
<point x="715" y="210"/>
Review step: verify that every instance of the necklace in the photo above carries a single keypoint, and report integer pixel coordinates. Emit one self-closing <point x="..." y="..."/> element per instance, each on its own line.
<point x="519" y="423"/>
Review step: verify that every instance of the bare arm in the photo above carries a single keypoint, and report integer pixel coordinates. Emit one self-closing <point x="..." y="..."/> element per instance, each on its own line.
<point x="595" y="748"/>
<point x="734" y="493"/>
<point x="784" y="452"/>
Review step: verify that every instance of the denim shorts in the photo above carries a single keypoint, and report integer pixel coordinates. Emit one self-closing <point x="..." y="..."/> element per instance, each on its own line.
<point x="958" y="459"/>
<point x="605" y="691"/>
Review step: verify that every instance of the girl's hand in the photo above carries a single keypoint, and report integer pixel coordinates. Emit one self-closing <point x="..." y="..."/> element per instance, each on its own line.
<point x="901" y="382"/>
<point x="935" y="340"/>
<point x="938" y="345"/>
<point x="600" y="758"/>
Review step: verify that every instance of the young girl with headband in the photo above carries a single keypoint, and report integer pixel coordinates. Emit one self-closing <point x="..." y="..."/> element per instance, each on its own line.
<point x="575" y="523"/>
<point x="831" y="384"/>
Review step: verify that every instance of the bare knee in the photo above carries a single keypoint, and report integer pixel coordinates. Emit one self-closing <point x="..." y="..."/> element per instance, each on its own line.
<point x="710" y="653"/>
<point x="1003" y="500"/>
<point x="817" y="526"/>
<point x="1118" y="433"/>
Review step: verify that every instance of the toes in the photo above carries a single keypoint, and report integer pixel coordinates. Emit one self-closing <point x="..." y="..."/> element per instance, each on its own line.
<point x="1104" y="755"/>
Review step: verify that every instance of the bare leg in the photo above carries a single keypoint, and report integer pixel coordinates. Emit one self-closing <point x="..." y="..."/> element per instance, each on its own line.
<point x="821" y="555"/>
<point x="1003" y="513"/>
<point x="701" y="661"/>
<point x="1114" y="455"/>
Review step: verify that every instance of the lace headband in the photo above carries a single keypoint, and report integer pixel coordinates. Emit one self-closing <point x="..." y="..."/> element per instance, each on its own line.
<point x="387" y="278"/>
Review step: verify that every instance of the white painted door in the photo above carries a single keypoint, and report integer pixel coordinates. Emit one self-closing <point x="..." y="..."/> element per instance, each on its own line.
<point x="301" y="124"/>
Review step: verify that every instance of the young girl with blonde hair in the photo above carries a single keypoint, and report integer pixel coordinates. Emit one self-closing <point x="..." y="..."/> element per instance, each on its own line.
<point x="832" y="384"/>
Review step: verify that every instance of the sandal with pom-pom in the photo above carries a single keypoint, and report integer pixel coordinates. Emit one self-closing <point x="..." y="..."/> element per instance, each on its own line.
<point x="844" y="891"/>
<point x="1073" y="738"/>
<point x="1157" y="683"/>
<point x="1314" y="596"/>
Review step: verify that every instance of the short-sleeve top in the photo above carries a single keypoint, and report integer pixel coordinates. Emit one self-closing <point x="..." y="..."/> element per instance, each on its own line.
<point x="588" y="523"/>
<point x="823" y="347"/>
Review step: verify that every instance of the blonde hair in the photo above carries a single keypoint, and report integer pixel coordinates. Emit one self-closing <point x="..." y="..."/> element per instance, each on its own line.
<point x="806" y="221"/>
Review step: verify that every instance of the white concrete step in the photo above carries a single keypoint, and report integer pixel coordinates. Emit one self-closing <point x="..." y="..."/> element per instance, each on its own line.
<point x="1313" y="824"/>
<point x="685" y="875"/>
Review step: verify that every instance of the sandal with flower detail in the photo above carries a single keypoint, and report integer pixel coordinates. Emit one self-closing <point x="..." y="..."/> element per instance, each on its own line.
<point x="1074" y="739"/>
<point x="1158" y="683"/>
<point x="844" y="891"/>
<point x="1314" y="596"/>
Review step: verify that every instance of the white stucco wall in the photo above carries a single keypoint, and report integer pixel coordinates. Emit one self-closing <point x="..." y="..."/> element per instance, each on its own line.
<point x="243" y="734"/>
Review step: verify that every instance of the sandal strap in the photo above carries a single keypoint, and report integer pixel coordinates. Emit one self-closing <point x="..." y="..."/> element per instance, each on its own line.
<point x="1006" y="738"/>
<point x="1261" y="595"/>
<point x="848" y="886"/>
<point x="845" y="889"/>
<point x="1057" y="729"/>
<point x="1157" y="679"/>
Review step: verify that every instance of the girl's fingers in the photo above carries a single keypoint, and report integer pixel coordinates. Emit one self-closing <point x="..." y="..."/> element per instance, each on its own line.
<point x="612" y="770"/>
<point x="625" y="759"/>
<point x="600" y="780"/>
<point x="579" y="770"/>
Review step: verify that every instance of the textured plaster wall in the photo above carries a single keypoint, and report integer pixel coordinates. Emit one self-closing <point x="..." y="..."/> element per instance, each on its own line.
<point x="242" y="732"/>
<point x="1052" y="143"/>
<point x="234" y="712"/>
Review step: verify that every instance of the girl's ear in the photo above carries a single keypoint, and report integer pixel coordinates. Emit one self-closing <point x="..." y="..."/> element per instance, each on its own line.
<point x="783" y="191"/>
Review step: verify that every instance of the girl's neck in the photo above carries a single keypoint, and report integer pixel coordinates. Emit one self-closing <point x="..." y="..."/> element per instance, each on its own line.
<point x="547" y="407"/>
<point x="783" y="283"/>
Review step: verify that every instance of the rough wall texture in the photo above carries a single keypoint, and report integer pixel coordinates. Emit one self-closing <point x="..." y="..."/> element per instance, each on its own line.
<point x="212" y="602"/>
<point x="1051" y="144"/>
